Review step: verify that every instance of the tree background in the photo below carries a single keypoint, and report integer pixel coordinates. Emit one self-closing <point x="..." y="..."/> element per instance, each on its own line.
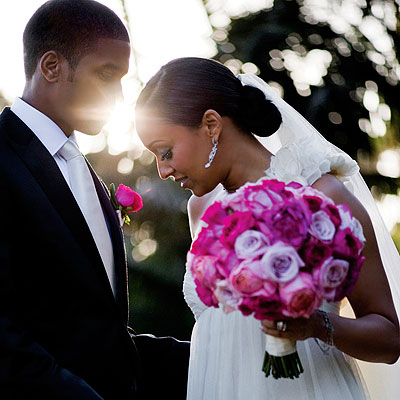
<point x="335" y="61"/>
<point x="338" y="73"/>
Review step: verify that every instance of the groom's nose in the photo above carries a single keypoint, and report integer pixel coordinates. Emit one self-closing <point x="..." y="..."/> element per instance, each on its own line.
<point x="119" y="95"/>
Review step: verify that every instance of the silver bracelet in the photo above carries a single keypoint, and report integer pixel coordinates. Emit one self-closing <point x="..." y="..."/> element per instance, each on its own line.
<point x="325" y="346"/>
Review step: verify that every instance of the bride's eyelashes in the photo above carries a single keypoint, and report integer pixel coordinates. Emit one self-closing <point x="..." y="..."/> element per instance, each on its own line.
<point x="167" y="155"/>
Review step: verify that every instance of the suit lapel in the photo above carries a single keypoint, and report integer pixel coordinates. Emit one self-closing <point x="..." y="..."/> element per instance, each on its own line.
<point x="46" y="172"/>
<point x="117" y="241"/>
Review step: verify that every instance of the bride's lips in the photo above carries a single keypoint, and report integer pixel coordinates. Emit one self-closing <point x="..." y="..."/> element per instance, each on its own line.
<point x="183" y="181"/>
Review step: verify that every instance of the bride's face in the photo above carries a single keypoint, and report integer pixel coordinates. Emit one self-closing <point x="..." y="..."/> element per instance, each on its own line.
<point x="181" y="153"/>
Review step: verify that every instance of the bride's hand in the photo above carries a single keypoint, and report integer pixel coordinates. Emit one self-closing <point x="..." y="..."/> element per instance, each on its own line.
<point x="296" y="328"/>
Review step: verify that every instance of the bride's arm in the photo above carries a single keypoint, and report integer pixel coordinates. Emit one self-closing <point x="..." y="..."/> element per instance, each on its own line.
<point x="374" y="335"/>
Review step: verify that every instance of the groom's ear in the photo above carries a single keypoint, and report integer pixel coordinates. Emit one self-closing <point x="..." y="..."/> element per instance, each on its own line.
<point x="50" y="65"/>
<point x="212" y="122"/>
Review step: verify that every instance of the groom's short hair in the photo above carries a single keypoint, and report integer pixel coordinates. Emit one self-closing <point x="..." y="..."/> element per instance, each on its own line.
<point x="70" y="27"/>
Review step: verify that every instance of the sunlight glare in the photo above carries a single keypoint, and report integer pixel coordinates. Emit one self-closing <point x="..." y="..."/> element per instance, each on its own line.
<point x="389" y="163"/>
<point x="119" y="129"/>
<point x="389" y="207"/>
<point x="91" y="144"/>
<point x="125" y="166"/>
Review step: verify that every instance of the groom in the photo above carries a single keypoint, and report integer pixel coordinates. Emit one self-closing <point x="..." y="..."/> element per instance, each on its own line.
<point x="63" y="294"/>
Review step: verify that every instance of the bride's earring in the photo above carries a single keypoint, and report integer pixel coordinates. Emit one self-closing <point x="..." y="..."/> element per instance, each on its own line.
<point x="212" y="153"/>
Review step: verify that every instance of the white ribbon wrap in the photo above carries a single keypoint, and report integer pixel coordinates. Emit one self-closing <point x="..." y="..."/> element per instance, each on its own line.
<point x="279" y="347"/>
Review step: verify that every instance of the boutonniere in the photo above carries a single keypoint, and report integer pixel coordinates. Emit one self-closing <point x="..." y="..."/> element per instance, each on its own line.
<point x="125" y="201"/>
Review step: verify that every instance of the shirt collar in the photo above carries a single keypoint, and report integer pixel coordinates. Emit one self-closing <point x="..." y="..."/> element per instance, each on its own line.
<point x="47" y="131"/>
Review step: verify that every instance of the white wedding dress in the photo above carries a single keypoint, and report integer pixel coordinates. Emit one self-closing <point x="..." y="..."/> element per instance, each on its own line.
<point x="227" y="350"/>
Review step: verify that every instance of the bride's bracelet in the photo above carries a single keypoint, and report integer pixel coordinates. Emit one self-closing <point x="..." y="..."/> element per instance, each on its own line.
<point x="325" y="346"/>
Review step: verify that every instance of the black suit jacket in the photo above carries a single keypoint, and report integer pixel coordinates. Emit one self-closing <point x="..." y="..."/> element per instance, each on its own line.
<point x="63" y="335"/>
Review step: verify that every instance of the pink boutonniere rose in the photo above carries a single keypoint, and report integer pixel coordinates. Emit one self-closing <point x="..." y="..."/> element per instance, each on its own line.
<point x="125" y="201"/>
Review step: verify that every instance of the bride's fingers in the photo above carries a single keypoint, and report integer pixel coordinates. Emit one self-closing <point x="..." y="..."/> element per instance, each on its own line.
<point x="281" y="325"/>
<point x="268" y="324"/>
<point x="294" y="329"/>
<point x="274" y="332"/>
<point x="275" y="328"/>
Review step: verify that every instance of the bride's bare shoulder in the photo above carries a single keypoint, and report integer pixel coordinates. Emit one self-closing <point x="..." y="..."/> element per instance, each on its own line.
<point x="333" y="187"/>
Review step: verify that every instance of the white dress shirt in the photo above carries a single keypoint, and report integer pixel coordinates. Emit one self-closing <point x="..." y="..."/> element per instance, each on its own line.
<point x="47" y="131"/>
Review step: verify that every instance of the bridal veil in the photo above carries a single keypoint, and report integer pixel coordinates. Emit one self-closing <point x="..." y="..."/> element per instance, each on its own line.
<point x="382" y="380"/>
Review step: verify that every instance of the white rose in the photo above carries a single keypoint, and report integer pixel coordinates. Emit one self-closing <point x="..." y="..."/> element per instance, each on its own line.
<point x="343" y="165"/>
<point x="357" y="230"/>
<point x="280" y="263"/>
<point x="345" y="216"/>
<point x="226" y="296"/>
<point x="250" y="244"/>
<point x="322" y="227"/>
<point x="310" y="191"/>
<point x="286" y="164"/>
<point x="348" y="221"/>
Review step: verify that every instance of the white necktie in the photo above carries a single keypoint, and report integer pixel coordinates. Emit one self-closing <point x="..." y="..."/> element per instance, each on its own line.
<point x="84" y="191"/>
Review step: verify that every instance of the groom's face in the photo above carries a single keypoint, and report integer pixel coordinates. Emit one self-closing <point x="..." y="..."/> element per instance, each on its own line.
<point x="87" y="94"/>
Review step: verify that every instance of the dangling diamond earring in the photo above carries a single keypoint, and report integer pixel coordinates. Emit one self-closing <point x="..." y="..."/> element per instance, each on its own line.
<point x="212" y="153"/>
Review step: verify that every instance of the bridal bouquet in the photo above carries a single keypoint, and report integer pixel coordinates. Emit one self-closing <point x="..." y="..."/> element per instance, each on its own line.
<point x="275" y="251"/>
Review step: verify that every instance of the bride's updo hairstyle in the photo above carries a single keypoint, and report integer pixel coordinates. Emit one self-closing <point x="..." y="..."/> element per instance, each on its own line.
<point x="185" y="88"/>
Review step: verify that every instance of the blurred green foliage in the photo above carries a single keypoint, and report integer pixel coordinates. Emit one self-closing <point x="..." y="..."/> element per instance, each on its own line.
<point x="278" y="39"/>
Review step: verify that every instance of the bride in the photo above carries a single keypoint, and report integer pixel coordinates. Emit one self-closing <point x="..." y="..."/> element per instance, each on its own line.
<point x="200" y="122"/>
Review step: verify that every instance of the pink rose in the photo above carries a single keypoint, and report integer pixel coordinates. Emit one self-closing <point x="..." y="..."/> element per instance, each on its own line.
<point x="234" y="225"/>
<point x="294" y="185"/>
<point x="263" y="227"/>
<point x="129" y="198"/>
<point x="244" y="280"/>
<point x="288" y="222"/>
<point x="268" y="308"/>
<point x="226" y="296"/>
<point x="277" y="190"/>
<point x="204" y="269"/>
<point x="306" y="192"/>
<point x="250" y="244"/>
<point x="299" y="296"/>
<point x="203" y="243"/>
<point x="280" y="263"/>
<point x="234" y="201"/>
<point x="314" y="203"/>
<point x="218" y="249"/>
<point x="346" y="244"/>
<point x="322" y="227"/>
<point x="334" y="214"/>
<point x="214" y="214"/>
<point x="257" y="200"/>
<point x="206" y="295"/>
<point x="315" y="252"/>
<point x="227" y="263"/>
<point x="248" y="305"/>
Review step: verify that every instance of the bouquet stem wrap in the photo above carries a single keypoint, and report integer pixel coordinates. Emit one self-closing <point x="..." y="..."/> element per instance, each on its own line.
<point x="281" y="358"/>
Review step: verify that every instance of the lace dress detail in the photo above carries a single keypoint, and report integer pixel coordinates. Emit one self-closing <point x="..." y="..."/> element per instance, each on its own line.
<point x="227" y="349"/>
